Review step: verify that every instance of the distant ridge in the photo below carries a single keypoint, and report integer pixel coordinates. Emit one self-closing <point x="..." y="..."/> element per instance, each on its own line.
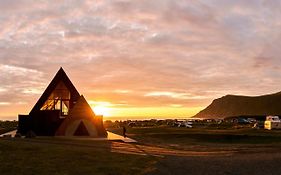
<point x="235" y="105"/>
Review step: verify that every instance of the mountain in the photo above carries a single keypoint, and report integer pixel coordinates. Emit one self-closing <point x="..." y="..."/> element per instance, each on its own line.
<point x="234" y="105"/>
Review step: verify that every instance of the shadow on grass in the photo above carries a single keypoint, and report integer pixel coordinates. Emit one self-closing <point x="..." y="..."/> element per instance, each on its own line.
<point x="71" y="157"/>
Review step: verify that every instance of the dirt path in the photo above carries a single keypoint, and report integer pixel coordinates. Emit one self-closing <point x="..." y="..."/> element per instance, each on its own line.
<point x="237" y="164"/>
<point x="255" y="160"/>
<point x="249" y="160"/>
<point x="128" y="148"/>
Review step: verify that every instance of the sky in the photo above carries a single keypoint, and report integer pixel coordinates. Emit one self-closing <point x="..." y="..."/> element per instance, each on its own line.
<point x="139" y="58"/>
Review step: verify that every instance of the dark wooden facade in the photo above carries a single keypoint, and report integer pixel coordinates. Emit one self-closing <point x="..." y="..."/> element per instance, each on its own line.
<point x="53" y="108"/>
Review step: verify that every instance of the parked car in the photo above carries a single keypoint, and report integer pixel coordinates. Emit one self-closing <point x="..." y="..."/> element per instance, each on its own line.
<point x="272" y="122"/>
<point x="185" y="124"/>
<point x="241" y="121"/>
<point x="252" y="120"/>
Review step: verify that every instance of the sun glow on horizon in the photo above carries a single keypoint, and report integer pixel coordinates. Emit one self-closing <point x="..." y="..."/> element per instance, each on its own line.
<point x="101" y="110"/>
<point x="101" y="107"/>
<point x="111" y="111"/>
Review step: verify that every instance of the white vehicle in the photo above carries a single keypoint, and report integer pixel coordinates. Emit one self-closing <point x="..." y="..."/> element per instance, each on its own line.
<point x="272" y="122"/>
<point x="185" y="124"/>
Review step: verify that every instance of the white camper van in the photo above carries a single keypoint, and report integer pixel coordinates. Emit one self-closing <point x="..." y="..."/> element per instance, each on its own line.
<point x="272" y="122"/>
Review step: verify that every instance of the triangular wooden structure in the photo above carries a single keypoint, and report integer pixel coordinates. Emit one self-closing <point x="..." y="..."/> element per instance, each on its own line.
<point x="59" y="77"/>
<point x="81" y="112"/>
<point x="62" y="111"/>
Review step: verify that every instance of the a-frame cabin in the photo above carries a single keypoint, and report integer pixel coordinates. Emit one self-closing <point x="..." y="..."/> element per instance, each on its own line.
<point x="53" y="109"/>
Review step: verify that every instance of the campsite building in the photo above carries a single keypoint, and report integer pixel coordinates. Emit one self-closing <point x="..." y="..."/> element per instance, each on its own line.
<point x="62" y="111"/>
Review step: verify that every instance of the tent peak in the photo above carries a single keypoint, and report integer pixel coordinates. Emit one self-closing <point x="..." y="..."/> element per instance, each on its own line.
<point x="61" y="70"/>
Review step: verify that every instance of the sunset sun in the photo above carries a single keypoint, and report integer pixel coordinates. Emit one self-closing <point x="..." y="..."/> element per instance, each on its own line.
<point x="101" y="110"/>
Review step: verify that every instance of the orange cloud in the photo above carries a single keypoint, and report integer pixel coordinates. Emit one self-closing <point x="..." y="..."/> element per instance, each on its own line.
<point x="160" y="55"/>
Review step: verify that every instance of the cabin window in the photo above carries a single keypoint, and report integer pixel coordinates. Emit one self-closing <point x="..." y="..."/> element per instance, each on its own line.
<point x="58" y="100"/>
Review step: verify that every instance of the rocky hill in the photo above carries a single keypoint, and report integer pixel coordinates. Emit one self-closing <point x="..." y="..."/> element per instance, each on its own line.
<point x="234" y="105"/>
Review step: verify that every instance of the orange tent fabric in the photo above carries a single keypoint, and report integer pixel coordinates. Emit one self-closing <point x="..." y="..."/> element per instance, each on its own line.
<point x="82" y="114"/>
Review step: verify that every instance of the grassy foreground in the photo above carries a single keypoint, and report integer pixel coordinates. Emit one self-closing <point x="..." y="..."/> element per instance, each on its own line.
<point x="61" y="157"/>
<point x="183" y="138"/>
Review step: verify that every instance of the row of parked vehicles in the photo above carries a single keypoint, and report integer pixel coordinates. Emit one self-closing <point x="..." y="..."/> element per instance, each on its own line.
<point x="271" y="122"/>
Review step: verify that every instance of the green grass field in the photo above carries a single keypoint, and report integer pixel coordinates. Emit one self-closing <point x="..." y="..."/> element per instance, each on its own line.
<point x="182" y="138"/>
<point x="61" y="157"/>
<point x="48" y="155"/>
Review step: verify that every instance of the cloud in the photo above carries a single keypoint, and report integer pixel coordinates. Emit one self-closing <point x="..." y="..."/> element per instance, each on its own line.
<point x="139" y="53"/>
<point x="175" y="95"/>
<point x="4" y="103"/>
